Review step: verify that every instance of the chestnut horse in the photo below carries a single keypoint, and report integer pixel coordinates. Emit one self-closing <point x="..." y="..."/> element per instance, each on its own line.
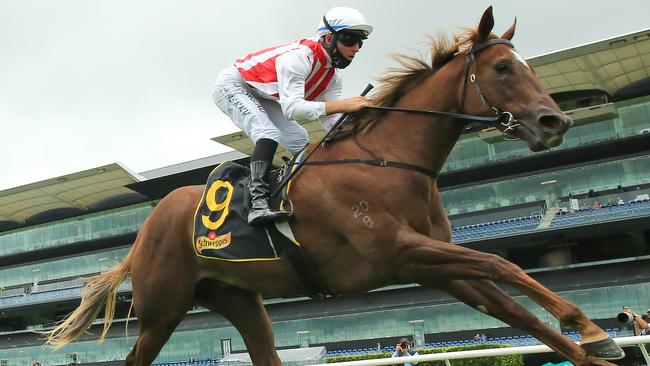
<point x="403" y="235"/>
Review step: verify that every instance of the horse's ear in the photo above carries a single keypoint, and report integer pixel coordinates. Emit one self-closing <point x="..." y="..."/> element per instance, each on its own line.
<point x="510" y="32"/>
<point x="486" y="25"/>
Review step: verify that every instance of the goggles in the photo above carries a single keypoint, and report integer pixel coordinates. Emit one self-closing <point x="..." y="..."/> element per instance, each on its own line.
<point x="349" y="39"/>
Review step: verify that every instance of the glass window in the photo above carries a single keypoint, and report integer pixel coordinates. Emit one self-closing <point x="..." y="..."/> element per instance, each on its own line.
<point x="634" y="119"/>
<point x="62" y="268"/>
<point x="635" y="115"/>
<point x="92" y="226"/>
<point x="601" y="176"/>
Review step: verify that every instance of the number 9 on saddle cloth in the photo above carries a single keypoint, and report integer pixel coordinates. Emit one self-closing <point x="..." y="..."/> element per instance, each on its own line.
<point x="221" y="230"/>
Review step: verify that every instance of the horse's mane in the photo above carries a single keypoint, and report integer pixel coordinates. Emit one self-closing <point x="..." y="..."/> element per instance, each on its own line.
<point x="399" y="80"/>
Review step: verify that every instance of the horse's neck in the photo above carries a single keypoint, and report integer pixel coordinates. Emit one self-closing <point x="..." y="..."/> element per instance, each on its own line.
<point x="419" y="139"/>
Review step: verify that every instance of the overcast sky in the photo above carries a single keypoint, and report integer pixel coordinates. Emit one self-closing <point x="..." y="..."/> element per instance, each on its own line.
<point x="85" y="83"/>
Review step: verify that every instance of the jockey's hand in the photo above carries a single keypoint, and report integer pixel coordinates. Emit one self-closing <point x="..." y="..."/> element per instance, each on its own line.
<point x="629" y="310"/>
<point x="348" y="105"/>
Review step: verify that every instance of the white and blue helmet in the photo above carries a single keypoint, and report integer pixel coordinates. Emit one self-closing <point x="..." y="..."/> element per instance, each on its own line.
<point x="342" y="18"/>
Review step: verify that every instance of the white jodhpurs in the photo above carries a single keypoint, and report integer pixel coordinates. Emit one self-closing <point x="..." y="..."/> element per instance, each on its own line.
<point x="256" y="116"/>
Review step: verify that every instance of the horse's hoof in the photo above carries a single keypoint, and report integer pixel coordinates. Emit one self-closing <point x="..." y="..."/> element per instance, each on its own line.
<point x="605" y="349"/>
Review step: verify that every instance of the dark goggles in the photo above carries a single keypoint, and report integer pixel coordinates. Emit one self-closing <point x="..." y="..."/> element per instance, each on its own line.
<point x="349" y="40"/>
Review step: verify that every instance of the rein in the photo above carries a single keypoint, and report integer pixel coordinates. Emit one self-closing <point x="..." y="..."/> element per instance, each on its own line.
<point x="504" y="118"/>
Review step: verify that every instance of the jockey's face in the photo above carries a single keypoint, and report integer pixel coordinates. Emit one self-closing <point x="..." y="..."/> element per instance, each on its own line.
<point x="346" y="51"/>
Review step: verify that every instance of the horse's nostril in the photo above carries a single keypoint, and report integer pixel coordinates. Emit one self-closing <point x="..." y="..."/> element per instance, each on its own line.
<point x="551" y="121"/>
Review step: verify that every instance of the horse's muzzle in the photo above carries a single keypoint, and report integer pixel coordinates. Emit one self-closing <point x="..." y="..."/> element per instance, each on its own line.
<point x="553" y="122"/>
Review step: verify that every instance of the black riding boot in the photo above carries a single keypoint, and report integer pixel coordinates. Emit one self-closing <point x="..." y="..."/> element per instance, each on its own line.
<point x="260" y="212"/>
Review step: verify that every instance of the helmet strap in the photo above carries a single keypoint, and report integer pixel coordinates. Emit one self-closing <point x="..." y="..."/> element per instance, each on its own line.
<point x="338" y="60"/>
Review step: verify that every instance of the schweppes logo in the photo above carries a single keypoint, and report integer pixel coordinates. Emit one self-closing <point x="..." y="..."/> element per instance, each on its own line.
<point x="212" y="241"/>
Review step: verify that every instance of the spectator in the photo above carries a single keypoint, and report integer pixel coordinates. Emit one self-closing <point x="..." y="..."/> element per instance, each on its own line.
<point x="639" y="323"/>
<point x="483" y="338"/>
<point x="596" y="204"/>
<point x="610" y="203"/>
<point x="403" y="349"/>
<point x="591" y="193"/>
<point x="644" y="323"/>
<point x="620" y="201"/>
<point x="574" y="205"/>
<point x="639" y="326"/>
<point x="477" y="338"/>
<point x="620" y="189"/>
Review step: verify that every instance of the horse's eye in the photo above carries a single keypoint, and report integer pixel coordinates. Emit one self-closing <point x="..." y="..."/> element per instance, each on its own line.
<point x="502" y="67"/>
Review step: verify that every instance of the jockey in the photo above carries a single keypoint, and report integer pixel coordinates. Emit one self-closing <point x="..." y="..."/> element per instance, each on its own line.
<point x="267" y="93"/>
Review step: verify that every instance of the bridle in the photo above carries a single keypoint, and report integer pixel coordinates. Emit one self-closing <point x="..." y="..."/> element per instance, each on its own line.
<point x="505" y="118"/>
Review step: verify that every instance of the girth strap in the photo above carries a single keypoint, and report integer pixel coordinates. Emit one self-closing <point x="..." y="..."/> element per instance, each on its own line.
<point x="304" y="269"/>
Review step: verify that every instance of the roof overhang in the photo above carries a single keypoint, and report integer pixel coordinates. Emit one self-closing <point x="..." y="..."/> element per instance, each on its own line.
<point x="77" y="190"/>
<point x="240" y="142"/>
<point x="607" y="65"/>
<point x="161" y="181"/>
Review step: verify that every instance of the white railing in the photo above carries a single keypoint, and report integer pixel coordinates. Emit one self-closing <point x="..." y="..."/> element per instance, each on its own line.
<point x="622" y="341"/>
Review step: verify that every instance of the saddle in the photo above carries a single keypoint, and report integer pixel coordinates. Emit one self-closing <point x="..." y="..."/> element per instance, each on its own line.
<point x="221" y="230"/>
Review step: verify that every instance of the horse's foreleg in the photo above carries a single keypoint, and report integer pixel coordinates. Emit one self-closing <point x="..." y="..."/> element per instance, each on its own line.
<point x="422" y="257"/>
<point x="245" y="310"/>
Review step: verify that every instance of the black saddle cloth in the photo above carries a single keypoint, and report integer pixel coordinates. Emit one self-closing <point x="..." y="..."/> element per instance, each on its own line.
<point x="221" y="229"/>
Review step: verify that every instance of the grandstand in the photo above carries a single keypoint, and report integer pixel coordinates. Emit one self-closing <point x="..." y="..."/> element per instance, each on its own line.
<point x="500" y="198"/>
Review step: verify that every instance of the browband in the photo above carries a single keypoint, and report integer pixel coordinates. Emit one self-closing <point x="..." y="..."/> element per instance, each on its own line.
<point x="488" y="43"/>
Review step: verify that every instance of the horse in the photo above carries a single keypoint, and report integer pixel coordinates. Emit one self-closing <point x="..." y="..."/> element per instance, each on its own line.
<point x="403" y="236"/>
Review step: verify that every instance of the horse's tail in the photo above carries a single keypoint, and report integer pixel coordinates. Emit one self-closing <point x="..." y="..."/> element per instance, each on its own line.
<point x="99" y="291"/>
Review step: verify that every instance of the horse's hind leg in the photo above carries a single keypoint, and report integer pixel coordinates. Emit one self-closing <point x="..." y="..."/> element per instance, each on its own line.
<point x="162" y="294"/>
<point x="157" y="318"/>
<point x="245" y="310"/>
<point x="157" y="323"/>
<point x="159" y="312"/>
<point x="163" y="273"/>
<point x="486" y="297"/>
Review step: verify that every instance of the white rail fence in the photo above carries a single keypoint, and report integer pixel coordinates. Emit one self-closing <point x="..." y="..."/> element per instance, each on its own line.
<point x="622" y="341"/>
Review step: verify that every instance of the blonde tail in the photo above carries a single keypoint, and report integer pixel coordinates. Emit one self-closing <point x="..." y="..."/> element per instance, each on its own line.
<point x="99" y="291"/>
